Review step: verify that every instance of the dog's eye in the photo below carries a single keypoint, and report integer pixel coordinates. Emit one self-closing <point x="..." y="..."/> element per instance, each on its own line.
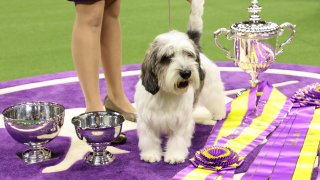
<point x="166" y="59"/>
<point x="190" y="54"/>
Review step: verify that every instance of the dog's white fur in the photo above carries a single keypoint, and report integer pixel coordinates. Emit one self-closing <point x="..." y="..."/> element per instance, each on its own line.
<point x="168" y="109"/>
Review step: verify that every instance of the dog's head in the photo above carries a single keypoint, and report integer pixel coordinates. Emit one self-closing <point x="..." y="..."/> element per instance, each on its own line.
<point x="172" y="64"/>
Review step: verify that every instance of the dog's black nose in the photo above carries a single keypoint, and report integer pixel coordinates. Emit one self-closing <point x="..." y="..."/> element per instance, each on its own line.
<point x="185" y="74"/>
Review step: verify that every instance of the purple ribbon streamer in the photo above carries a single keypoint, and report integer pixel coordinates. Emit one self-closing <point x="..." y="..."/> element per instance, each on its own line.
<point x="281" y="116"/>
<point x="276" y="140"/>
<point x="286" y="163"/>
<point x="277" y="159"/>
<point x="255" y="108"/>
<point x="180" y="175"/>
<point x="267" y="89"/>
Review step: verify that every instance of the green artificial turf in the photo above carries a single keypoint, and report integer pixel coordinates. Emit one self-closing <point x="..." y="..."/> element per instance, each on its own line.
<point x="35" y="35"/>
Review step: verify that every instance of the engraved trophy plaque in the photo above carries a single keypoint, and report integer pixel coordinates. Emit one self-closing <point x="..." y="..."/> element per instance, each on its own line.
<point x="255" y="42"/>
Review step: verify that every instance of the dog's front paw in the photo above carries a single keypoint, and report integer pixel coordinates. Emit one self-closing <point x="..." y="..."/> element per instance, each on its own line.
<point x="218" y="115"/>
<point x="150" y="156"/>
<point x="175" y="158"/>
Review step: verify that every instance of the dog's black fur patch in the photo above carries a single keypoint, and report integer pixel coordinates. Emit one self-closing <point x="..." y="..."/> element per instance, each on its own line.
<point x="195" y="36"/>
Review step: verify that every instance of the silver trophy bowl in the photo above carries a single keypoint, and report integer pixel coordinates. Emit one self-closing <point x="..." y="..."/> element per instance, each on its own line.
<point x="98" y="129"/>
<point x="255" y="42"/>
<point x="34" y="124"/>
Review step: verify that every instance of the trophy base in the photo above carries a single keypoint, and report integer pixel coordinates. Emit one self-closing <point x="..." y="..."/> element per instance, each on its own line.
<point x="99" y="158"/>
<point x="33" y="156"/>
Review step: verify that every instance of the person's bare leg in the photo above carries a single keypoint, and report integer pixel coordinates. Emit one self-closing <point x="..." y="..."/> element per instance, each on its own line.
<point x="86" y="51"/>
<point x="111" y="55"/>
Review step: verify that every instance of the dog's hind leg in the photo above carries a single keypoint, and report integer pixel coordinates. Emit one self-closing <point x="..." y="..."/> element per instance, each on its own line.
<point x="217" y="106"/>
<point x="212" y="98"/>
<point x="212" y="95"/>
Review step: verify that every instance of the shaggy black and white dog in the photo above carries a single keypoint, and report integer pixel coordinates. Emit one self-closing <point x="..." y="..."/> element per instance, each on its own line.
<point x="176" y="77"/>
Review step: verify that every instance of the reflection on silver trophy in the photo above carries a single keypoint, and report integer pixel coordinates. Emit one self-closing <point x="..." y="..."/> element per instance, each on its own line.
<point x="98" y="129"/>
<point x="34" y="124"/>
<point x="255" y="42"/>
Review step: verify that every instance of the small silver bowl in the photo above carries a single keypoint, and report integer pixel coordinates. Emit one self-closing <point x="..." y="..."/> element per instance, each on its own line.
<point x="34" y="124"/>
<point x="98" y="129"/>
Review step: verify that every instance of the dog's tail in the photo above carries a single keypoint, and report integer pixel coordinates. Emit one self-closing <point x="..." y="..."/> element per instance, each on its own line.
<point x="195" y="21"/>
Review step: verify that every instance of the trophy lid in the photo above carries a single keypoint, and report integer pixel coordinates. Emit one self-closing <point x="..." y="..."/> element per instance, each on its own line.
<point x="255" y="27"/>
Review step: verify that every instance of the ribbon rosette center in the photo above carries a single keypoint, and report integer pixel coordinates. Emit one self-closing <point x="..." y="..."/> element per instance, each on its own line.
<point x="216" y="158"/>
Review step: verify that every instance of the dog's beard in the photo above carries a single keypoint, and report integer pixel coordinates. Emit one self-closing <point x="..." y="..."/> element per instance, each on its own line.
<point x="173" y="83"/>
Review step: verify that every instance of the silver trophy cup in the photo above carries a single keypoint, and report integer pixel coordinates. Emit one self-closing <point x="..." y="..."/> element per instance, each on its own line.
<point x="34" y="124"/>
<point x="98" y="129"/>
<point x="255" y="42"/>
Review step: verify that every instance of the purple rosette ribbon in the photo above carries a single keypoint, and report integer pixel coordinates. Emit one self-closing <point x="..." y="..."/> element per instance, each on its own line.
<point x="307" y="96"/>
<point x="216" y="158"/>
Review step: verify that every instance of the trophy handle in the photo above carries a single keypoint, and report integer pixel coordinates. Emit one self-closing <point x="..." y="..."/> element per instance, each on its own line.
<point x="293" y="31"/>
<point x="78" y="133"/>
<point x="216" y="41"/>
<point x="74" y="120"/>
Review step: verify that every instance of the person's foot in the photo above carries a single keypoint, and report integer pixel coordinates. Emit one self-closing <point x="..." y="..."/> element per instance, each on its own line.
<point x="121" y="139"/>
<point x="123" y="107"/>
<point x="123" y="103"/>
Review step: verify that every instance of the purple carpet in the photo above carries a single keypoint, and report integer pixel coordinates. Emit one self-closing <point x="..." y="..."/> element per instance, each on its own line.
<point x="126" y="166"/>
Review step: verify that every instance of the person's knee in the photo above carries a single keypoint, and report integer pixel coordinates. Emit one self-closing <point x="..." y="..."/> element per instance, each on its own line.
<point x="90" y="14"/>
<point x="112" y="8"/>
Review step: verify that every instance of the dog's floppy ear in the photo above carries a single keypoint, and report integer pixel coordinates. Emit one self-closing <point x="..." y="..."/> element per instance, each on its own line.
<point x="202" y="73"/>
<point x="148" y="76"/>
